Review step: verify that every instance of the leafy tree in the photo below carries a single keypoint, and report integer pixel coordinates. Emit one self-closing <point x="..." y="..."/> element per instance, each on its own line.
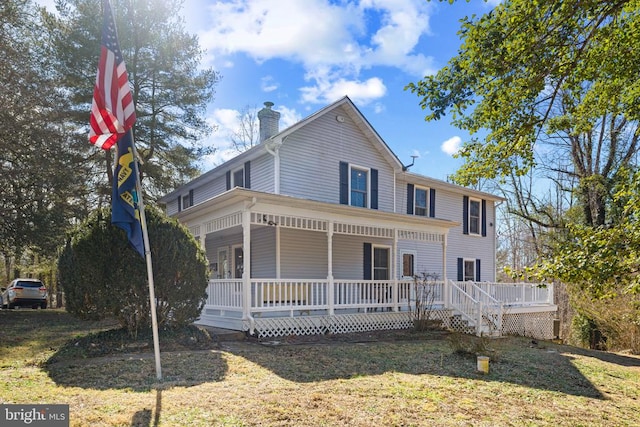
<point x="170" y="89"/>
<point x="549" y="91"/>
<point x="103" y="276"/>
<point x="528" y="70"/>
<point x="39" y="172"/>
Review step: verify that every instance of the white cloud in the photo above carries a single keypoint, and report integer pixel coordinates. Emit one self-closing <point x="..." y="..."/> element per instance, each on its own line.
<point x="327" y="90"/>
<point x="452" y="145"/>
<point x="268" y="84"/>
<point x="332" y="41"/>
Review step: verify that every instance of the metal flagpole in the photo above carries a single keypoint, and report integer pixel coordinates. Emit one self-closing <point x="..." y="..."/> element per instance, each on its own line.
<point x="147" y="252"/>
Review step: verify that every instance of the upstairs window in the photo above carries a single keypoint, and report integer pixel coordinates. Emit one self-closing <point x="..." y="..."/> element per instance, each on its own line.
<point x="186" y="203"/>
<point x="474" y="216"/>
<point x="420" y="204"/>
<point x="238" y="178"/>
<point x="359" y="187"/>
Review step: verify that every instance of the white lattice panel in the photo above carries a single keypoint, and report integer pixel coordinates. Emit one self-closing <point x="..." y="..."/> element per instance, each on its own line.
<point x="535" y="325"/>
<point x="368" y="322"/>
<point x="284" y="326"/>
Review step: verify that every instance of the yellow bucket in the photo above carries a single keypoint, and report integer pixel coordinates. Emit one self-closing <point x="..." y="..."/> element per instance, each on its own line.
<point x="483" y="364"/>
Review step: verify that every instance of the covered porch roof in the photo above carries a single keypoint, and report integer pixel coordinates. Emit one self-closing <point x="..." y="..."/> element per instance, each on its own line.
<point x="226" y="211"/>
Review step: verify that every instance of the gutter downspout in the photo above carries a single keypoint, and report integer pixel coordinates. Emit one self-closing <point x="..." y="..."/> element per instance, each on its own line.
<point x="273" y="148"/>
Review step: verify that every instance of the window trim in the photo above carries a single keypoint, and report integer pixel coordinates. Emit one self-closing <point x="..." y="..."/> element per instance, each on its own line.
<point x="464" y="269"/>
<point x="479" y="231"/>
<point x="368" y="189"/>
<point x="373" y="261"/>
<point x="185" y="201"/>
<point x="427" y="195"/>
<point x="234" y="172"/>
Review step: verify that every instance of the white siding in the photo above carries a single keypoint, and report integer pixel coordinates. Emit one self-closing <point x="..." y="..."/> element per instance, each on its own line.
<point x="262" y="175"/>
<point x="310" y="160"/>
<point x="263" y="252"/>
<point x="468" y="246"/>
<point x="303" y="254"/>
<point x="428" y="257"/>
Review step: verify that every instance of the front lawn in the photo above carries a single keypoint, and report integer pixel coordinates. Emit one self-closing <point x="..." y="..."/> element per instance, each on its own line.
<point x="362" y="382"/>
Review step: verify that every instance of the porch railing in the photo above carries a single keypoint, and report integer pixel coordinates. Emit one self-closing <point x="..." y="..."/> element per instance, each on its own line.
<point x="472" y="299"/>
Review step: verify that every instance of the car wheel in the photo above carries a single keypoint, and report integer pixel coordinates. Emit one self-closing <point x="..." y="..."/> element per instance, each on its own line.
<point x="10" y="306"/>
<point x="43" y="305"/>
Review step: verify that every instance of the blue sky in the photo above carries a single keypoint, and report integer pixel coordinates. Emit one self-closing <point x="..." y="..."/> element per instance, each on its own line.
<point x="305" y="54"/>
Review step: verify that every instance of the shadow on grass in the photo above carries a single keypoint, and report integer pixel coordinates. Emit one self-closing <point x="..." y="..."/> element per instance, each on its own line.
<point x="112" y="360"/>
<point x="516" y="362"/>
<point x="143" y="418"/>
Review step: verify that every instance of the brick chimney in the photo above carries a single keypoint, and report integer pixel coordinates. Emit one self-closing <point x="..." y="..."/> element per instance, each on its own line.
<point x="269" y="121"/>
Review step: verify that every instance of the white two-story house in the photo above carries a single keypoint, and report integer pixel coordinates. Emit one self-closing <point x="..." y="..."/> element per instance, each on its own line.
<point x="320" y="228"/>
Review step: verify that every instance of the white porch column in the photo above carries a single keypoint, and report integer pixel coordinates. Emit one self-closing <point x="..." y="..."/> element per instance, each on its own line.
<point x="203" y="238"/>
<point x="330" y="288"/>
<point x="278" y="253"/>
<point x="447" y="290"/>
<point x="246" y="263"/>
<point x="394" y="269"/>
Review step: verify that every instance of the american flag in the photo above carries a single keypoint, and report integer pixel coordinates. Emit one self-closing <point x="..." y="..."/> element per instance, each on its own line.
<point x="112" y="112"/>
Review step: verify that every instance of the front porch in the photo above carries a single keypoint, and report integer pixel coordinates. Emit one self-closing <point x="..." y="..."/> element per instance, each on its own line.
<point x="280" y="307"/>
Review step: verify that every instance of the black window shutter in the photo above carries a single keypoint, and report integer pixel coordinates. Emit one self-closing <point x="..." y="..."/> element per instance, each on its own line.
<point x="465" y="214"/>
<point x="247" y="174"/>
<point x="477" y="270"/>
<point x="228" y="180"/>
<point x="367" y="262"/>
<point x="374" y="188"/>
<point x="460" y="269"/>
<point x="344" y="183"/>
<point x="410" y="189"/>
<point x="190" y="197"/>
<point x="432" y="202"/>
<point x="179" y="203"/>
<point x="484" y="217"/>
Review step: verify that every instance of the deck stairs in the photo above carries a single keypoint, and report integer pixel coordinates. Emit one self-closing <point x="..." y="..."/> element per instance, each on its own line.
<point x="474" y="310"/>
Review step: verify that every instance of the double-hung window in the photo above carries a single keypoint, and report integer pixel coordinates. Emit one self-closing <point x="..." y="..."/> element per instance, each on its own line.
<point x="420" y="203"/>
<point x="359" y="187"/>
<point x="380" y="263"/>
<point x="474" y="216"/>
<point x="186" y="202"/>
<point x="238" y="178"/>
<point x="469" y="270"/>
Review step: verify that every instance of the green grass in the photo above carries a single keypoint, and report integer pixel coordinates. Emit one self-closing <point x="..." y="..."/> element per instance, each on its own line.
<point x="401" y="382"/>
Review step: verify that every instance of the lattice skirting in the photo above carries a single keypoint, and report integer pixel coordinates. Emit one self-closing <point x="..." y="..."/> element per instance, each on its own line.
<point x="534" y="325"/>
<point x="338" y="324"/>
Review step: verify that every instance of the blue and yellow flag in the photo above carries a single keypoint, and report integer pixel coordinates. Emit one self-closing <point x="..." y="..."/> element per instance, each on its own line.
<point x="124" y="200"/>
